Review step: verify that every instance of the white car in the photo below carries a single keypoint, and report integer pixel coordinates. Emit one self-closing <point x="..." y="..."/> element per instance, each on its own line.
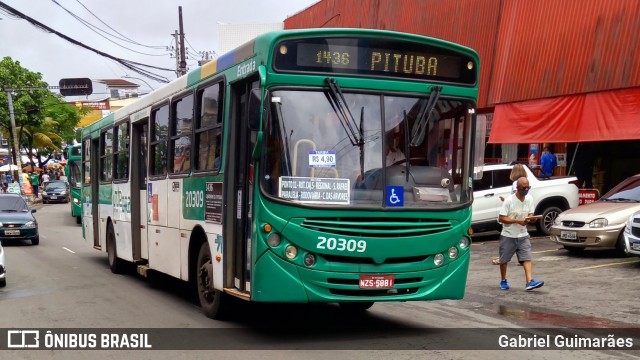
<point x="3" y="269"/>
<point x="550" y="197"/>
<point x="632" y="235"/>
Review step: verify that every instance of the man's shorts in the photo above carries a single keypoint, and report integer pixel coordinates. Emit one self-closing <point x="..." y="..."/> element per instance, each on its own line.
<point x="520" y="246"/>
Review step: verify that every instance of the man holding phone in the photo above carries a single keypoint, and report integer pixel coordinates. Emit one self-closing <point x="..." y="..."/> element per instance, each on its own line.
<point x="516" y="213"/>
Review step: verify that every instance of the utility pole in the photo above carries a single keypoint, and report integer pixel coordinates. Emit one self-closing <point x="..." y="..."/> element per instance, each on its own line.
<point x="177" y="50"/>
<point x="183" y="60"/>
<point x="16" y="146"/>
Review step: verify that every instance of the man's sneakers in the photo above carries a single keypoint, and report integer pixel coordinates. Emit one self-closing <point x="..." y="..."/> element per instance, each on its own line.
<point x="532" y="284"/>
<point x="504" y="285"/>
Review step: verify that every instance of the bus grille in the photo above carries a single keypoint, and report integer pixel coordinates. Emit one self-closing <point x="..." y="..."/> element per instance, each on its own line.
<point x="378" y="228"/>
<point x="365" y="260"/>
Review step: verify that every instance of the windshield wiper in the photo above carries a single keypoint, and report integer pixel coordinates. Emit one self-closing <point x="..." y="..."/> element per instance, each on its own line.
<point x="425" y="114"/>
<point x="354" y="132"/>
<point x="622" y="200"/>
<point x="9" y="210"/>
<point x="348" y="122"/>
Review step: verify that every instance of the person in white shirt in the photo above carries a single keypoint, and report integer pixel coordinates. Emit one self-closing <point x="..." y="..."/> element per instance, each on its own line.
<point x="516" y="213"/>
<point x="45" y="178"/>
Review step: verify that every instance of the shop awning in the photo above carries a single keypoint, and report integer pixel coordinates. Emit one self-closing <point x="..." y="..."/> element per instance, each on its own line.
<point x="601" y="116"/>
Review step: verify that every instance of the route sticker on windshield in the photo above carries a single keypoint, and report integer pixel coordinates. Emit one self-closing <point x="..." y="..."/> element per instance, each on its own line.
<point x="315" y="190"/>
<point x="322" y="159"/>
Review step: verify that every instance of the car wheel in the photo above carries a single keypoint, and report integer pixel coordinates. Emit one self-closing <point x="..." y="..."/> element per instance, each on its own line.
<point x="356" y="307"/>
<point x="214" y="303"/>
<point x="549" y="216"/>
<point x="44" y="201"/>
<point x="3" y="282"/>
<point x="116" y="265"/>
<point x="35" y="241"/>
<point x="574" y="249"/>
<point x="78" y="220"/>
<point x="620" y="245"/>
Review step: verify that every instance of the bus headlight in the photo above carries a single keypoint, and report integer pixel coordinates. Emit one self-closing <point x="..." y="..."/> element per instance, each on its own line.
<point x="453" y="252"/>
<point x="438" y="259"/>
<point x="291" y="252"/>
<point x="76" y="200"/>
<point x="309" y="259"/>
<point x="463" y="243"/>
<point x="273" y="240"/>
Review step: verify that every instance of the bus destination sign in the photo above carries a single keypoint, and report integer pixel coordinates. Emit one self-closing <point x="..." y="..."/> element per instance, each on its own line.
<point x="365" y="56"/>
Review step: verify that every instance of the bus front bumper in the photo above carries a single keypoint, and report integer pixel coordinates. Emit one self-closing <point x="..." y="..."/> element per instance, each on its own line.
<point x="282" y="281"/>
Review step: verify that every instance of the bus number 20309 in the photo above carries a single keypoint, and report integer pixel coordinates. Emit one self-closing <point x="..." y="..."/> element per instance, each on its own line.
<point x="341" y="244"/>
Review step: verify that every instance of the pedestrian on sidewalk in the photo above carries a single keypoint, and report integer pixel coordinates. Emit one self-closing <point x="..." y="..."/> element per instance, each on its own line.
<point x="517" y="172"/>
<point x="548" y="163"/>
<point x="516" y="213"/>
<point x="35" y="183"/>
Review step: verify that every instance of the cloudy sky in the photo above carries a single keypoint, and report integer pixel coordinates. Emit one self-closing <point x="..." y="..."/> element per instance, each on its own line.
<point x="147" y="22"/>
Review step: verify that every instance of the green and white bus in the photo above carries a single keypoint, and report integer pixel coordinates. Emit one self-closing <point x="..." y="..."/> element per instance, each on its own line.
<point x="72" y="171"/>
<point x="318" y="165"/>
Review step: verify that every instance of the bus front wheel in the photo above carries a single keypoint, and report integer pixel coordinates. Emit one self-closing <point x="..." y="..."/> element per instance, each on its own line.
<point x="214" y="303"/>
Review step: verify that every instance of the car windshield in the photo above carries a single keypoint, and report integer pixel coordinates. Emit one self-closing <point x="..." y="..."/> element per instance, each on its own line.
<point x="12" y="203"/>
<point x="627" y="190"/>
<point x="373" y="150"/>
<point x="55" y="185"/>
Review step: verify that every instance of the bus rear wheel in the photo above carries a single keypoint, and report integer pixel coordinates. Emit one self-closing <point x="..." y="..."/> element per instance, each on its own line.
<point x="214" y="303"/>
<point x="356" y="306"/>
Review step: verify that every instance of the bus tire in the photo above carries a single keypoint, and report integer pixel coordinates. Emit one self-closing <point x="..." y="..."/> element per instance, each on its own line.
<point x="356" y="307"/>
<point x="78" y="220"/>
<point x="214" y="303"/>
<point x="116" y="265"/>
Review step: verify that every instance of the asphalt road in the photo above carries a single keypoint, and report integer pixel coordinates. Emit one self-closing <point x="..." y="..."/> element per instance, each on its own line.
<point x="65" y="283"/>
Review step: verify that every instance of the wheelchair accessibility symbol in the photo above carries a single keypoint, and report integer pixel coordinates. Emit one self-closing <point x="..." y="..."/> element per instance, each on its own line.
<point x="395" y="196"/>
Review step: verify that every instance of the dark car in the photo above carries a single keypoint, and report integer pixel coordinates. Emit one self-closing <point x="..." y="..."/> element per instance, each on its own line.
<point x="16" y="220"/>
<point x="55" y="191"/>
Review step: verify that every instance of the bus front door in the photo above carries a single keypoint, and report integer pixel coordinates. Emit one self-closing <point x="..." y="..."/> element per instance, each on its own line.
<point x="139" y="191"/>
<point x="239" y="189"/>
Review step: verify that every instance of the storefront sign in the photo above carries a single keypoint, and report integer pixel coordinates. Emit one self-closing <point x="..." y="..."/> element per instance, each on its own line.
<point x="587" y="196"/>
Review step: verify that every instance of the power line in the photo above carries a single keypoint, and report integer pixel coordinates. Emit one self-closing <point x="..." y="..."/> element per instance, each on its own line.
<point x="94" y="28"/>
<point x="126" y="63"/>
<point x="125" y="37"/>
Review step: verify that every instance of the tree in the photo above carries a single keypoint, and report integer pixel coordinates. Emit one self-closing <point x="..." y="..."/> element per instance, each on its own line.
<point x="44" y="121"/>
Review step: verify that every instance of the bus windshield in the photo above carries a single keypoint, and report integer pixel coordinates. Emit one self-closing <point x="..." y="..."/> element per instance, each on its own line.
<point x="371" y="150"/>
<point x="75" y="174"/>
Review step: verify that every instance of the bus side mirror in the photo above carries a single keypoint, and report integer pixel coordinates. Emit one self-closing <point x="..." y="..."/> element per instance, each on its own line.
<point x="254" y="109"/>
